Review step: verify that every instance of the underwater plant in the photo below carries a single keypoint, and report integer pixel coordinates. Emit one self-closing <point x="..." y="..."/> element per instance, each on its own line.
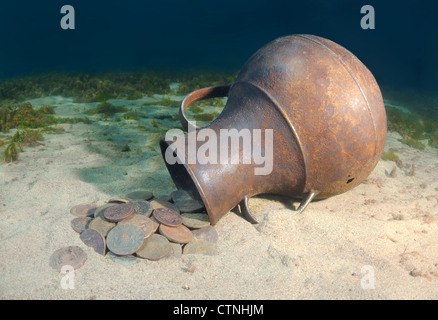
<point x="390" y="156"/>
<point x="414" y="143"/>
<point x="11" y="152"/>
<point x="166" y="102"/>
<point x="193" y="81"/>
<point x="107" y="109"/>
<point x="412" y="127"/>
<point x="206" y="116"/>
<point x="25" y="116"/>
<point x="85" y="87"/>
<point x="131" y="115"/>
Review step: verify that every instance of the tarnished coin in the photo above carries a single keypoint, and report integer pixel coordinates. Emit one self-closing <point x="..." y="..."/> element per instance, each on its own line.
<point x="69" y="256"/>
<point x="180" y="195"/>
<point x="189" y="205"/>
<point x="208" y="234"/>
<point x="195" y="220"/>
<point x="164" y="197"/>
<point x="83" y="210"/>
<point x="94" y="239"/>
<point x="146" y="224"/>
<point x="176" y="250"/>
<point x="168" y="217"/>
<point x="117" y="200"/>
<point x="101" y="225"/>
<point x="154" y="248"/>
<point x="99" y="211"/>
<point x="126" y="261"/>
<point x="140" y="195"/>
<point x="118" y="212"/>
<point x="200" y="247"/>
<point x="125" y="239"/>
<point x="141" y="207"/>
<point x="163" y="204"/>
<point x="155" y="222"/>
<point x="80" y="224"/>
<point x="179" y="234"/>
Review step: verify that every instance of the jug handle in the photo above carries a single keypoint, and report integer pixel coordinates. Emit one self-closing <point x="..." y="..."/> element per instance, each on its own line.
<point x="197" y="95"/>
<point x="244" y="207"/>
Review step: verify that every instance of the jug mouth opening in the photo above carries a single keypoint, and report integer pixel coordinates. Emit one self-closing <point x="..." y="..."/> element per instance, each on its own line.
<point x="183" y="177"/>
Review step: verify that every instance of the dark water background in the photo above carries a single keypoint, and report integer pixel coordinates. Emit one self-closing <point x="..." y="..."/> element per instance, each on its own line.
<point x="176" y="35"/>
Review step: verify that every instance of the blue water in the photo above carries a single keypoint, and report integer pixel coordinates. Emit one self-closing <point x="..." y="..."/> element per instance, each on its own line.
<point x="135" y="35"/>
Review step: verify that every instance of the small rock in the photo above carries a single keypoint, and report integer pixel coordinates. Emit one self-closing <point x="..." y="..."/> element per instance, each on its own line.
<point x="393" y="173"/>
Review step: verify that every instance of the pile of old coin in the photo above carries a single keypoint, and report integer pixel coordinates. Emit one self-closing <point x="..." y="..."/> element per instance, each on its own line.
<point x="142" y="226"/>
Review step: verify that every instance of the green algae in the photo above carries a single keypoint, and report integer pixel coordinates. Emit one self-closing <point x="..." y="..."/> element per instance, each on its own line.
<point x="131" y="115"/>
<point x="206" y="117"/>
<point x="413" y="128"/>
<point x="414" y="143"/>
<point x="30" y="124"/>
<point x="86" y="88"/>
<point x="25" y="116"/>
<point x="193" y="81"/>
<point x="165" y="102"/>
<point x="107" y="109"/>
<point x="390" y="156"/>
<point x="27" y="137"/>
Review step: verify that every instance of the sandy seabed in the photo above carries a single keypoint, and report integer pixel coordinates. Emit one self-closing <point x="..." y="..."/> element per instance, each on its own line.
<point x="386" y="228"/>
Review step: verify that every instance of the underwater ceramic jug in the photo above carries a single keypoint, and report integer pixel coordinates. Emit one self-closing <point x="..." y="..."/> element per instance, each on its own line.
<point x="327" y="117"/>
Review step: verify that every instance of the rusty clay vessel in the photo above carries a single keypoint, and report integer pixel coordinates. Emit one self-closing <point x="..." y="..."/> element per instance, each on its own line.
<point x="327" y="116"/>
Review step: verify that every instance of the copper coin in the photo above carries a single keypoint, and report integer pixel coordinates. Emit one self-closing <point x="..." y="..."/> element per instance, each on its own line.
<point x="195" y="220"/>
<point x="126" y="261"/>
<point x="168" y="217"/>
<point x="118" y="212"/>
<point x="69" y="256"/>
<point x="101" y="225"/>
<point x="155" y="222"/>
<point x="94" y="239"/>
<point x="125" y="239"/>
<point x="180" y="195"/>
<point x="99" y="211"/>
<point x="208" y="234"/>
<point x="200" y="247"/>
<point x="163" y="204"/>
<point x="80" y="224"/>
<point x="189" y="205"/>
<point x="83" y="210"/>
<point x="141" y="207"/>
<point x="155" y="248"/>
<point x="117" y="200"/>
<point x="146" y="224"/>
<point x="176" y="250"/>
<point x="167" y="198"/>
<point x="179" y="234"/>
<point x="140" y="195"/>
